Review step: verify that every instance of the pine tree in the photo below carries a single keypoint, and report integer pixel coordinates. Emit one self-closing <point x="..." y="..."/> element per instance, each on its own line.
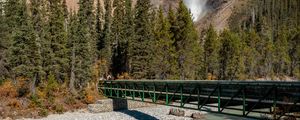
<point x="282" y="58"/>
<point x="140" y="45"/>
<point x="250" y="51"/>
<point x="23" y="57"/>
<point x="38" y="16"/>
<point x="73" y="46"/>
<point x="58" y="62"/>
<point x="129" y="33"/>
<point x="4" y="44"/>
<point x="294" y="53"/>
<point x="164" y="50"/>
<point x="230" y="59"/>
<point x="104" y="45"/>
<point x="118" y="38"/>
<point x="83" y="48"/>
<point x="211" y="54"/>
<point x="186" y="43"/>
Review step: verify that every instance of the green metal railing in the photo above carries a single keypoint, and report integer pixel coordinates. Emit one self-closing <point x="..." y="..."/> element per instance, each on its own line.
<point x="241" y="98"/>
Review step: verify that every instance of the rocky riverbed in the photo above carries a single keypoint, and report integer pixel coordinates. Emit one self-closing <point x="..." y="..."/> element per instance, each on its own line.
<point x="157" y="112"/>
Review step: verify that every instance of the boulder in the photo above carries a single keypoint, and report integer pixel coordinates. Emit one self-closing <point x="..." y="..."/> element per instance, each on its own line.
<point x="177" y="112"/>
<point x="198" y="116"/>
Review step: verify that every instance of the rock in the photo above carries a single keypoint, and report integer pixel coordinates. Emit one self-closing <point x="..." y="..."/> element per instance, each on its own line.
<point x="198" y="116"/>
<point x="176" y="112"/>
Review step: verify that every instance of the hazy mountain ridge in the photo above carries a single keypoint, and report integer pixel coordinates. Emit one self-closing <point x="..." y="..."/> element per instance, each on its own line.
<point x="217" y="11"/>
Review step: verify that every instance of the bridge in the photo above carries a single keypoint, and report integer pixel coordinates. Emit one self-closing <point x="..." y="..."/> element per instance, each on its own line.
<point x="250" y="99"/>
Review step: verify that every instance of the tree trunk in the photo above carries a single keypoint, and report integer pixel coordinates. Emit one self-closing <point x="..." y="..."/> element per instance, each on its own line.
<point x="33" y="83"/>
<point x="72" y="77"/>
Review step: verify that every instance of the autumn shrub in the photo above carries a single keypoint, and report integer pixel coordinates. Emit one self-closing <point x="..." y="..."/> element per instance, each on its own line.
<point x="14" y="103"/>
<point x="7" y="89"/>
<point x="89" y="96"/>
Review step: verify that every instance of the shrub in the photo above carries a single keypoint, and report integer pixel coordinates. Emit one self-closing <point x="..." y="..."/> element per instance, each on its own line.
<point x="8" y="90"/>
<point x="14" y="103"/>
<point x="35" y="102"/>
<point x="70" y="100"/>
<point x="43" y="113"/>
<point x="59" y="109"/>
<point x="52" y="85"/>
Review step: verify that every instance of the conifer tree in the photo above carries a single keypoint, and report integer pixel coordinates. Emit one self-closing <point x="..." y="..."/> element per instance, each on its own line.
<point x="230" y="59"/>
<point x="164" y="50"/>
<point x="282" y="58"/>
<point x="73" y="46"/>
<point x="38" y="16"/>
<point x="58" y="62"/>
<point x="104" y="45"/>
<point x="140" y="45"/>
<point x="250" y="51"/>
<point x="83" y="48"/>
<point x="186" y="43"/>
<point x="23" y="57"/>
<point x="118" y="38"/>
<point x="211" y="54"/>
<point x="4" y="44"/>
<point x="129" y="33"/>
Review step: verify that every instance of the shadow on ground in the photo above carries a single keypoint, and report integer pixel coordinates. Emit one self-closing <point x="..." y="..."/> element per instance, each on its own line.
<point x="121" y="105"/>
<point x="138" y="115"/>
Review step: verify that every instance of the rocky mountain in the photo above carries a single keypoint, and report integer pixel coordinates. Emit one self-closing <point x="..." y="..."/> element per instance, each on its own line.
<point x="206" y="12"/>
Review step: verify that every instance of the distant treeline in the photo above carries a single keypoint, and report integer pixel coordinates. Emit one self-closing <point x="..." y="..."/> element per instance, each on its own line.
<point x="43" y="38"/>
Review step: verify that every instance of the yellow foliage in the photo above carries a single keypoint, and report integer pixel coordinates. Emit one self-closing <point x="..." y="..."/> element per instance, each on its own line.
<point x="211" y="77"/>
<point x="8" y="90"/>
<point x="124" y="75"/>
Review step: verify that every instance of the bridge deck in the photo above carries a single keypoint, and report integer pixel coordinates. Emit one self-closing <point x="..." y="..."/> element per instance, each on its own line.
<point x="250" y="96"/>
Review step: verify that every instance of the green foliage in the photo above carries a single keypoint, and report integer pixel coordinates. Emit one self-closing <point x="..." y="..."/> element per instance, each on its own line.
<point x="186" y="42"/>
<point x="35" y="101"/>
<point x="164" y="61"/>
<point x="211" y="54"/>
<point x="23" y="56"/>
<point x="59" y="109"/>
<point x="230" y="58"/>
<point x="58" y="60"/>
<point x="43" y="113"/>
<point x="141" y="45"/>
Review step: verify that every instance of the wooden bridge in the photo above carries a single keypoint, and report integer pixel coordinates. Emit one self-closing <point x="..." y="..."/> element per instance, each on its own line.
<point x="250" y="99"/>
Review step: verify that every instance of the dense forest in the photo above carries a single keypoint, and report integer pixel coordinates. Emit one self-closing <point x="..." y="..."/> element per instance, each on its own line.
<point x="42" y="41"/>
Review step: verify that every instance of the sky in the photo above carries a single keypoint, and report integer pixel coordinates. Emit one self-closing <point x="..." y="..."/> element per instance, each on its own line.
<point x="197" y="7"/>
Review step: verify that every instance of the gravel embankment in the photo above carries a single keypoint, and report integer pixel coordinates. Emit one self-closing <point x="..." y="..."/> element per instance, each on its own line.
<point x="147" y="113"/>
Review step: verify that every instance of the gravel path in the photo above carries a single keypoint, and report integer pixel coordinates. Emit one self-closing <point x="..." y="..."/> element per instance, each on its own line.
<point x="149" y="113"/>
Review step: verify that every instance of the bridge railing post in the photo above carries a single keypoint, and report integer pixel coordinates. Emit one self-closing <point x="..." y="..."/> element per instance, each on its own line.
<point x="181" y="95"/>
<point x="219" y="98"/>
<point x="167" y="94"/>
<point x="143" y="92"/>
<point x="244" y="101"/>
